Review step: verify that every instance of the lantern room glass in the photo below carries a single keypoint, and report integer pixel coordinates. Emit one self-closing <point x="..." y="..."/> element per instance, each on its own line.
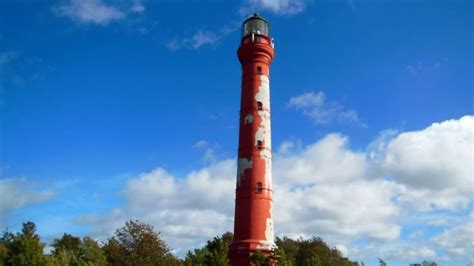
<point x="257" y="25"/>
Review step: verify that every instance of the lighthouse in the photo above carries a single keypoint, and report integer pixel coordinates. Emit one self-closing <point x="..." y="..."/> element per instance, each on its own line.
<point x="253" y="221"/>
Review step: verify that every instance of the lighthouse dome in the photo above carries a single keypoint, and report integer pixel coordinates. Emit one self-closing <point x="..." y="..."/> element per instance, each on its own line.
<point x="257" y="25"/>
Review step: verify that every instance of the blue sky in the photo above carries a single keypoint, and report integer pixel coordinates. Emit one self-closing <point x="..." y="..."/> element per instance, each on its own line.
<point x="112" y="110"/>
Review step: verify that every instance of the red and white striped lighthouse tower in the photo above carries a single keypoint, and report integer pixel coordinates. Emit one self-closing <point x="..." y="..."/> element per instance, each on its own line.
<point x="253" y="222"/>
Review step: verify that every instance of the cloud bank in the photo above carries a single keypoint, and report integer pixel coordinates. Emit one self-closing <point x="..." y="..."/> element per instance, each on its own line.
<point x="325" y="189"/>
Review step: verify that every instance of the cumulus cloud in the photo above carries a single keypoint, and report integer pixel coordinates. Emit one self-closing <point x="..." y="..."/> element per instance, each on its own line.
<point x="338" y="212"/>
<point x="280" y="7"/>
<point x="436" y="164"/>
<point x="458" y="240"/>
<point x="317" y="108"/>
<point x="309" y="199"/>
<point x="96" y="11"/>
<point x="327" y="182"/>
<point x="328" y="160"/>
<point x="323" y="188"/>
<point x="186" y="210"/>
<point x="18" y="192"/>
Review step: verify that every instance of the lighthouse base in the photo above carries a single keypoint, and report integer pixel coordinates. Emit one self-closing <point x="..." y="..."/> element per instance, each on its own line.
<point x="244" y="253"/>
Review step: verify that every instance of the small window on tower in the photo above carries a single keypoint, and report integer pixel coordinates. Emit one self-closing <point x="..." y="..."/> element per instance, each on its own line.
<point x="259" y="106"/>
<point x="259" y="70"/>
<point x="259" y="144"/>
<point x="259" y="187"/>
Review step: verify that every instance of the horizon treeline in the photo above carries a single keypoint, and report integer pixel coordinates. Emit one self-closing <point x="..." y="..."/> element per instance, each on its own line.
<point x="138" y="244"/>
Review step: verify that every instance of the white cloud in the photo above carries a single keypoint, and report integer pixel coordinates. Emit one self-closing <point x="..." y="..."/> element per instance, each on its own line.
<point x="338" y="212"/>
<point x="18" y="192"/>
<point x="186" y="210"/>
<point x="324" y="188"/>
<point x="458" y="240"/>
<point x="96" y="11"/>
<point x="280" y="7"/>
<point x="412" y="253"/>
<point x="209" y="152"/>
<point x="327" y="182"/>
<point x="328" y="160"/>
<point x="309" y="199"/>
<point x="436" y="164"/>
<point x="317" y="108"/>
<point x="201" y="38"/>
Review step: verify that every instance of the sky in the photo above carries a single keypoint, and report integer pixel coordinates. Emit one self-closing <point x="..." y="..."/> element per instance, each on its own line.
<point x="128" y="109"/>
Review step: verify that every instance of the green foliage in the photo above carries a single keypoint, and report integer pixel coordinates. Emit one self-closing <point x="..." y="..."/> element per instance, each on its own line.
<point x="24" y="248"/>
<point x="68" y="243"/>
<point x="62" y="257"/>
<point x="91" y="253"/>
<point x="70" y="250"/>
<point x="259" y="259"/>
<point x="309" y="252"/>
<point x="138" y="244"/>
<point x="214" y="253"/>
<point x="282" y="258"/>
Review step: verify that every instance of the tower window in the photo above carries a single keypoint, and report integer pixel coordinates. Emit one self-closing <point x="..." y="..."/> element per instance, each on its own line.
<point x="259" y="144"/>
<point x="259" y="106"/>
<point x="259" y="70"/>
<point x="259" y="187"/>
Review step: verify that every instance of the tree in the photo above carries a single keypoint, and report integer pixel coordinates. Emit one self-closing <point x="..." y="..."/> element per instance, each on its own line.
<point x="5" y="242"/>
<point x="312" y="251"/>
<point x="24" y="248"/>
<point x="289" y="248"/>
<point x="281" y="257"/>
<point x="91" y="253"/>
<point x="138" y="244"/>
<point x="60" y="258"/>
<point x="68" y="243"/>
<point x="382" y="262"/>
<point x="71" y="250"/>
<point x="307" y="254"/>
<point x="259" y="259"/>
<point x="214" y="253"/>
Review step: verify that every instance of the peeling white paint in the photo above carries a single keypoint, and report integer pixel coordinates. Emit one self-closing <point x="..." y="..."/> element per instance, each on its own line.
<point x="248" y="119"/>
<point x="269" y="236"/>
<point x="264" y="245"/>
<point x="263" y="94"/>
<point x="268" y="169"/>
<point x="242" y="164"/>
<point x="264" y="129"/>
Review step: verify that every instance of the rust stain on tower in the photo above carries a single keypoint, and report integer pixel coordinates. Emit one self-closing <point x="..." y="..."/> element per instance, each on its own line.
<point x="253" y="221"/>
